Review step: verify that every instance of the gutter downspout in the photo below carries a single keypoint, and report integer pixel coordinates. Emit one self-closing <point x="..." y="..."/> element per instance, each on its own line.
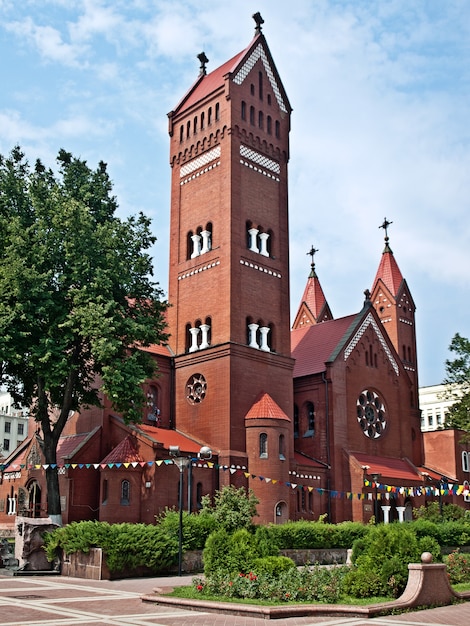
<point x="328" y="455"/>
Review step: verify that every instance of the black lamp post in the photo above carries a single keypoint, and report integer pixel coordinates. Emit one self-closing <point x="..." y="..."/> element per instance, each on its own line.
<point x="375" y="478"/>
<point x="183" y="462"/>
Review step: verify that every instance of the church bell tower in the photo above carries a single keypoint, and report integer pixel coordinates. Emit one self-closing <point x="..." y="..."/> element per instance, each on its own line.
<point x="229" y="252"/>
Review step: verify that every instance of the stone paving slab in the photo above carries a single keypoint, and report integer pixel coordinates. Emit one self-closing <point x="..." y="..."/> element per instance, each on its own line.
<point x="61" y="601"/>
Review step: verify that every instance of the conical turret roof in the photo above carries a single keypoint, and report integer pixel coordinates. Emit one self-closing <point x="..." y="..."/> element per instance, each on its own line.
<point x="313" y="305"/>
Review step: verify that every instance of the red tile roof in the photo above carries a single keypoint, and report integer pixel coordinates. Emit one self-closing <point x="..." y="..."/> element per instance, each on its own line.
<point x="314" y="298"/>
<point x="265" y="407"/>
<point x="396" y="469"/>
<point x="124" y="452"/>
<point x="389" y="272"/>
<point x="312" y="346"/>
<point x="167" y="438"/>
<point x="68" y="446"/>
<point x="208" y="83"/>
<point x="306" y="461"/>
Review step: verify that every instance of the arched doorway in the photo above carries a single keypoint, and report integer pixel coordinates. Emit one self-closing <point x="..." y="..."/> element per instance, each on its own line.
<point x="281" y="513"/>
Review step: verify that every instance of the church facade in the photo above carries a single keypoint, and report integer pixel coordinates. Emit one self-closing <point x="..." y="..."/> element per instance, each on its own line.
<point x="318" y="418"/>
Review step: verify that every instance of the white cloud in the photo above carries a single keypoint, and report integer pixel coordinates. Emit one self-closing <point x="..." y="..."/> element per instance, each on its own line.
<point x="48" y="41"/>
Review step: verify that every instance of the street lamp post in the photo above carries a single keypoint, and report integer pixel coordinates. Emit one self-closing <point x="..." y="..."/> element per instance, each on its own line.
<point x="183" y="462"/>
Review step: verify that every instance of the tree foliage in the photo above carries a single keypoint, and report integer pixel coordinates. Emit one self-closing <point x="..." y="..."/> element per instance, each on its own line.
<point x="458" y="384"/>
<point x="232" y="509"/>
<point x="77" y="299"/>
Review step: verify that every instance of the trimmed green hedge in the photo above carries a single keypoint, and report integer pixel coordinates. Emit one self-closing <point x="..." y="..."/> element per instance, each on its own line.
<point x="126" y="546"/>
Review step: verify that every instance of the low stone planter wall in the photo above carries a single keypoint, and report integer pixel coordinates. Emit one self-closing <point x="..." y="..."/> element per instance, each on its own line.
<point x="333" y="556"/>
<point x="93" y="566"/>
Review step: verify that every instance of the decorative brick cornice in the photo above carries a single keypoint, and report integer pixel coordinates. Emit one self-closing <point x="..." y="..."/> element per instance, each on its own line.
<point x="260" y="268"/>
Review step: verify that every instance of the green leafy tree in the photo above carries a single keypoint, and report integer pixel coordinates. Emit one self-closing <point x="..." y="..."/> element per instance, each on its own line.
<point x="77" y="299"/>
<point x="457" y="381"/>
<point x="232" y="509"/>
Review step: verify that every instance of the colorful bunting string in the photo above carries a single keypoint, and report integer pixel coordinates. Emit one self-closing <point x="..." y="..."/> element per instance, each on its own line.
<point x="383" y="491"/>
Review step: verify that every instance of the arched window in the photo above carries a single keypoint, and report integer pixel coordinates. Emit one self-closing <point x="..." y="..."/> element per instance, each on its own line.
<point x="465" y="463"/>
<point x="202" y="120"/>
<point x="263" y="446"/>
<point x="260" y="119"/>
<point x="181" y="133"/>
<point x="195" y="125"/>
<point x="296" y="421"/>
<point x="209" y="116"/>
<point x="252" y="115"/>
<point x="188" y="130"/>
<point x="252" y="89"/>
<point x="278" y="129"/>
<point x="125" y="493"/>
<point x="269" y="125"/>
<point x="310" y="421"/>
<point x="243" y="111"/>
<point x="104" y="495"/>
<point x="282" y="447"/>
<point x="260" y="85"/>
<point x="217" y="111"/>
<point x="199" y="496"/>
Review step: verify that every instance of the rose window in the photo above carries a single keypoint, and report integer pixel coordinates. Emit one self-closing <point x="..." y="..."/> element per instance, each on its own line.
<point x="196" y="389"/>
<point x="371" y="414"/>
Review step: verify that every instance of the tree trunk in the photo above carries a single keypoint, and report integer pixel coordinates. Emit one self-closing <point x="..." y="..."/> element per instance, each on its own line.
<point x="53" y="495"/>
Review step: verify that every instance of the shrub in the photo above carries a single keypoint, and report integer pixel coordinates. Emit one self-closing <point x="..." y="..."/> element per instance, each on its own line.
<point x="458" y="567"/>
<point x="317" y="584"/>
<point x="233" y="508"/>
<point x="432" y="512"/>
<point x="381" y="560"/>
<point x="196" y="527"/>
<point x="304" y="535"/>
<point x="272" y="565"/>
<point x="126" y="546"/>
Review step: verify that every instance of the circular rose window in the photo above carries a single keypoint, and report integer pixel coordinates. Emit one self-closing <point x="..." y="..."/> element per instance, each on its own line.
<point x="371" y="414"/>
<point x="196" y="388"/>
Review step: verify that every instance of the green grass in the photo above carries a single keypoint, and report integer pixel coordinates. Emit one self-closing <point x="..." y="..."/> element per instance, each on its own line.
<point x="462" y="587"/>
<point x="192" y="594"/>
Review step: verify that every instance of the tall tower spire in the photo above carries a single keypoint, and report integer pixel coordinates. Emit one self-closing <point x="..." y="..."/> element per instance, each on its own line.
<point x="313" y="306"/>
<point x="394" y="304"/>
<point x="229" y="257"/>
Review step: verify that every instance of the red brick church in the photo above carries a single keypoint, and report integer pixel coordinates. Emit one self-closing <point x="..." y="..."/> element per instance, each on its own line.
<point x="321" y="417"/>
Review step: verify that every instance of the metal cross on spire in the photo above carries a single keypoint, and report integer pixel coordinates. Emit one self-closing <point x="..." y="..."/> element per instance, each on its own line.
<point x="203" y="60"/>
<point x="259" y="21"/>
<point x="311" y="253"/>
<point x="385" y="226"/>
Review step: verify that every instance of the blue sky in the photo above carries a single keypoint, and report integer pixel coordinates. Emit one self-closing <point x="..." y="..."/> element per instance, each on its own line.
<point x="380" y="127"/>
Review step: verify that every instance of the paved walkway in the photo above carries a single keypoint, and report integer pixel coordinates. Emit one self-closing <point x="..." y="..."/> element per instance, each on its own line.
<point x="61" y="601"/>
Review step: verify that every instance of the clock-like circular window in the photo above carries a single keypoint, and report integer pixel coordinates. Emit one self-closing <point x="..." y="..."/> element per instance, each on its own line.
<point x="371" y="414"/>
<point x="196" y="388"/>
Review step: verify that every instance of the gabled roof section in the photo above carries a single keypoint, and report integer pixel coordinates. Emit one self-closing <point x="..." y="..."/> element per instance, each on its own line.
<point x="313" y="346"/>
<point x="125" y="452"/>
<point x="69" y="445"/>
<point x="313" y="306"/>
<point x="166" y="438"/>
<point x="370" y="321"/>
<point x="238" y="68"/>
<point x="265" y="407"/>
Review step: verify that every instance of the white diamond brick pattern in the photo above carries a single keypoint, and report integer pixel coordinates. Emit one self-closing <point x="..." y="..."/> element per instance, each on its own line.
<point x="200" y="161"/>
<point x="260" y="159"/>
<point x="259" y="53"/>
<point x="369" y="321"/>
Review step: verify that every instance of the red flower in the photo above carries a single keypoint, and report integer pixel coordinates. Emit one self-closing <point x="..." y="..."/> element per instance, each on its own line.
<point x="200" y="587"/>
